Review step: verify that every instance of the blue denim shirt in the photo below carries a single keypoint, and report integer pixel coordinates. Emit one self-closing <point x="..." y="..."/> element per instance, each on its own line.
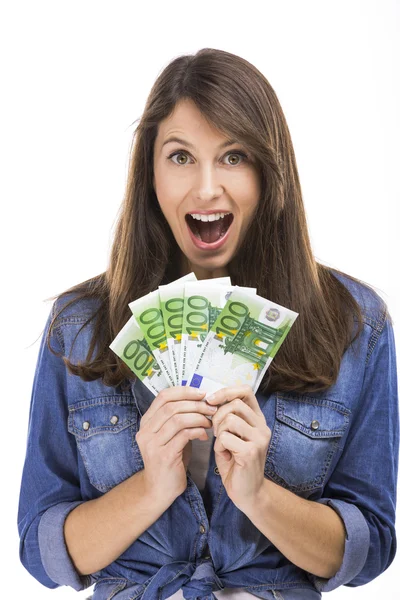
<point x="349" y="462"/>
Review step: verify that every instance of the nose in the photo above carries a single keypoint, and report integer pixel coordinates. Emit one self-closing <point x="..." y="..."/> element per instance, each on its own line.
<point x="207" y="185"/>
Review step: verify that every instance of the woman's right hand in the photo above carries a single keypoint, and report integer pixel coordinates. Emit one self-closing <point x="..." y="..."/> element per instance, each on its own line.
<point x="175" y="417"/>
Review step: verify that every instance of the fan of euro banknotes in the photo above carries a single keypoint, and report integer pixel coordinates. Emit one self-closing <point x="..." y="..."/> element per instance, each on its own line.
<point x="205" y="333"/>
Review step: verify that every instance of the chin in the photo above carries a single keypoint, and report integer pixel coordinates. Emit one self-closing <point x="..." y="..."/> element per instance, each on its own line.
<point x="212" y="267"/>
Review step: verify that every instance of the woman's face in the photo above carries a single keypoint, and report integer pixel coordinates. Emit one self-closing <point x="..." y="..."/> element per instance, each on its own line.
<point x="203" y="176"/>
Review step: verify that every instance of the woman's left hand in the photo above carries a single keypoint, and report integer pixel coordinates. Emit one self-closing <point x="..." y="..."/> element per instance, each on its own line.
<point x="242" y="441"/>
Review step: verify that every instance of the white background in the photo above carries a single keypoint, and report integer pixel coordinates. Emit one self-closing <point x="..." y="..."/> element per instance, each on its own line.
<point x="76" y="75"/>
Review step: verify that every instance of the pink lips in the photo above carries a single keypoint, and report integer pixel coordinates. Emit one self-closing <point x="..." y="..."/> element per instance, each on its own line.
<point x="202" y="245"/>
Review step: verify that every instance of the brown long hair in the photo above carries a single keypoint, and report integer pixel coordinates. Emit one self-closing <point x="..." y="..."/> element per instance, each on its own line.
<point x="275" y="256"/>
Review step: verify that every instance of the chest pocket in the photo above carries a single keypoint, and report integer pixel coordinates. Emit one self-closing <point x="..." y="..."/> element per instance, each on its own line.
<point x="306" y="436"/>
<point x="105" y="432"/>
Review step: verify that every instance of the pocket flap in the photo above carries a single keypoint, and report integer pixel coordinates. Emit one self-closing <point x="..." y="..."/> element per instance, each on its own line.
<point x="315" y="417"/>
<point x="108" y="414"/>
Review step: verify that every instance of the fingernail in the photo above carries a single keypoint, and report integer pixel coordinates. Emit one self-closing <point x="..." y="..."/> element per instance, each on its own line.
<point x="210" y="397"/>
<point x="213" y="408"/>
<point x="200" y="392"/>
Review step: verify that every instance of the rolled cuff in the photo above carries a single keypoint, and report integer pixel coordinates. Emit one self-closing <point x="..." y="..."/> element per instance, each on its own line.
<point x="356" y="545"/>
<point x="53" y="550"/>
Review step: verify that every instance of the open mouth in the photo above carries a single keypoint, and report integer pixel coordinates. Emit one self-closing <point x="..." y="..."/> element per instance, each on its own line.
<point x="209" y="231"/>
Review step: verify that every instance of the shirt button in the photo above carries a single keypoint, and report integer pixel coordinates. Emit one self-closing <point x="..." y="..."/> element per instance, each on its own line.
<point x="202" y="529"/>
<point x="114" y="420"/>
<point x="314" y="424"/>
<point x="207" y="557"/>
<point x="216" y="471"/>
<point x="86" y="425"/>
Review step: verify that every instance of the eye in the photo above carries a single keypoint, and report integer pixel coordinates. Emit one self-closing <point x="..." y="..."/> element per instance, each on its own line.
<point x="184" y="153"/>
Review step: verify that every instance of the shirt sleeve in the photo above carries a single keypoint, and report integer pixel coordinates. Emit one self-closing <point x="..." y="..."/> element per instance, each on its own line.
<point x="362" y="489"/>
<point x="50" y="481"/>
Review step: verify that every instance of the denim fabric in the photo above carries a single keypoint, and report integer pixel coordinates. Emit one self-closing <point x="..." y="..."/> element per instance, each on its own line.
<point x="350" y="462"/>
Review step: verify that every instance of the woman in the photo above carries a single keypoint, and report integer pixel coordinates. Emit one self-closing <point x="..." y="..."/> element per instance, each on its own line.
<point x="296" y="493"/>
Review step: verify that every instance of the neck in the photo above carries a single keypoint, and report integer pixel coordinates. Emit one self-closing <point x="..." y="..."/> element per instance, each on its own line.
<point x="201" y="272"/>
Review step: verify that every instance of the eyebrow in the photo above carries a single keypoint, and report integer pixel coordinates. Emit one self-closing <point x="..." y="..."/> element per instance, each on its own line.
<point x="185" y="143"/>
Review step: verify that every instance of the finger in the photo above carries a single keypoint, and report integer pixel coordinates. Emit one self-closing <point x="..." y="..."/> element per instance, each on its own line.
<point x="183" y="422"/>
<point x="182" y="439"/>
<point x="238" y="427"/>
<point x="227" y="394"/>
<point x="237" y="407"/>
<point x="172" y="394"/>
<point x="230" y="442"/>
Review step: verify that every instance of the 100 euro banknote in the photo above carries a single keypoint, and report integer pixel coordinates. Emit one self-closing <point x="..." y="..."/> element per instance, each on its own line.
<point x="202" y="307"/>
<point x="171" y="303"/>
<point x="149" y="317"/>
<point x="201" y="298"/>
<point x="242" y="342"/>
<point x="133" y="349"/>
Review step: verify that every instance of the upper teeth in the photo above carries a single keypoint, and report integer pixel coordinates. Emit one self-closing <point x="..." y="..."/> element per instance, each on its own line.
<point x="212" y="217"/>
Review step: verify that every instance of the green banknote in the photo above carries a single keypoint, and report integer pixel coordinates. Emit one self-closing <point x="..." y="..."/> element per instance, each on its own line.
<point x="241" y="343"/>
<point x="203" y="301"/>
<point x="147" y="311"/>
<point x="131" y="346"/>
<point x="149" y="317"/>
<point x="171" y="302"/>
